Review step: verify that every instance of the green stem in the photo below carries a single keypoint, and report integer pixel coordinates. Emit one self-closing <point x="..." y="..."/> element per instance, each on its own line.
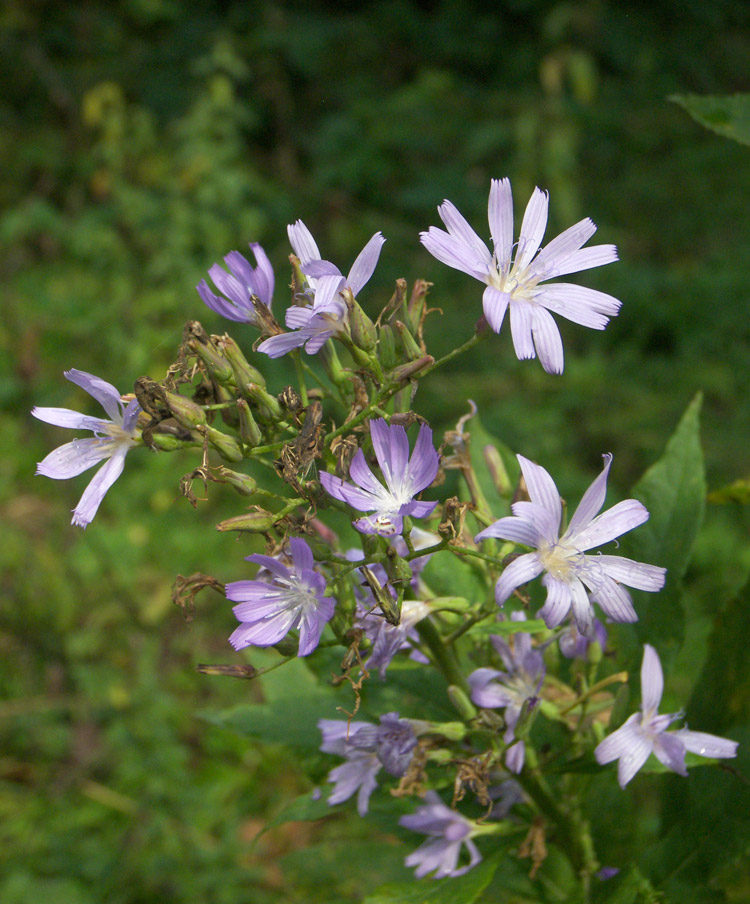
<point x="300" y="377"/>
<point x="470" y="343"/>
<point x="444" y="657"/>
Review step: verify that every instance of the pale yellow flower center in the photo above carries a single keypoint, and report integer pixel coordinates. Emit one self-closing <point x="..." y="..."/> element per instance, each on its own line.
<point x="559" y="560"/>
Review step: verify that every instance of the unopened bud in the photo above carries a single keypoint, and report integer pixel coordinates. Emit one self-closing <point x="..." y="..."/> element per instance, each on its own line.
<point x="249" y="431"/>
<point x="398" y="570"/>
<point x="255" y="522"/>
<point x="362" y="329"/>
<point x="417" y="305"/>
<point x="218" y="366"/>
<point x="408" y="342"/>
<point x="298" y="278"/>
<point x="243" y="483"/>
<point x="166" y="442"/>
<point x="407" y="371"/>
<point x="387" y="347"/>
<point x="267" y="405"/>
<point x="185" y="411"/>
<point x="453" y="731"/>
<point x="497" y="469"/>
<point x="243" y="371"/>
<point x="397" y="304"/>
<point x="226" y="446"/>
<point x="390" y="608"/>
<point x="461" y="703"/>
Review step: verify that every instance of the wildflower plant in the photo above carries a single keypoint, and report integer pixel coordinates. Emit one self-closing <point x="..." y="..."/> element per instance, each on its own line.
<point x="376" y="585"/>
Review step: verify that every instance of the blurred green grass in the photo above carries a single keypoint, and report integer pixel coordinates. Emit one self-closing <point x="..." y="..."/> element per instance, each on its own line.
<point x="140" y="142"/>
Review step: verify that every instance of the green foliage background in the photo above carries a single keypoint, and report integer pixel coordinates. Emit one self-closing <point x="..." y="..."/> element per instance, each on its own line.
<point x="140" y="141"/>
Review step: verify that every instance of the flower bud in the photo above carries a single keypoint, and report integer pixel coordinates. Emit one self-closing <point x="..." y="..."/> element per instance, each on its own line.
<point x="362" y="329"/>
<point x="218" y="366"/>
<point x="226" y="446"/>
<point x="417" y="307"/>
<point x="255" y="522"/>
<point x="387" y="347"/>
<point x="453" y="731"/>
<point x="249" y="431"/>
<point x="166" y="442"/>
<point x="407" y="371"/>
<point x="461" y="702"/>
<point x="185" y="411"/>
<point x="243" y="483"/>
<point x="267" y="405"/>
<point x="408" y="342"/>
<point x="243" y="371"/>
<point x="497" y="470"/>
<point x="397" y="305"/>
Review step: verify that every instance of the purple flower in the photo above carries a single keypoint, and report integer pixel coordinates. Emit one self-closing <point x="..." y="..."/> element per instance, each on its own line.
<point x="313" y="325"/>
<point x="292" y="599"/>
<point x="514" y="281"/>
<point x="112" y="441"/>
<point x="509" y="690"/>
<point x="238" y="285"/>
<point x="367" y="748"/>
<point x="404" y="478"/>
<point x="449" y="830"/>
<point x="574" y="645"/>
<point x="569" y="571"/>
<point x="388" y="639"/>
<point x="646" y="732"/>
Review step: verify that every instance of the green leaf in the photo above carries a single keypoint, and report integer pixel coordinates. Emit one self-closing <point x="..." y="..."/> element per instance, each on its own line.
<point x="727" y="115"/>
<point x="674" y="492"/>
<point x="461" y="890"/>
<point x="506" y="628"/>
<point x="295" y="702"/>
<point x="304" y="808"/>
<point x="722" y="693"/>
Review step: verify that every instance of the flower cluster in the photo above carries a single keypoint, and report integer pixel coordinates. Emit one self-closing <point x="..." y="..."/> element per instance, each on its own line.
<point x="336" y="470"/>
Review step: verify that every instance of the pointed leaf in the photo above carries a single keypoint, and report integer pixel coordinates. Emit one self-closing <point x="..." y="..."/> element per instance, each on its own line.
<point x="727" y="115"/>
<point x="674" y="491"/>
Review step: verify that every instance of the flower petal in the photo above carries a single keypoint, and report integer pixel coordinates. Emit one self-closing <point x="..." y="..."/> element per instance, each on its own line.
<point x="558" y="601"/>
<point x="277" y="346"/>
<point x="652" y="680"/>
<point x="532" y="229"/>
<point x="520" y="329"/>
<point x="495" y="304"/>
<point x="634" y="574"/>
<point x="520" y="571"/>
<point x="611" y="596"/>
<point x="302" y="242"/>
<point x="547" y="340"/>
<point x="364" y="266"/>
<point x="424" y="462"/>
<point x="541" y="488"/>
<point x="301" y="555"/>
<point x="583" y="613"/>
<point x="87" y="507"/>
<point x="104" y="393"/>
<point x="519" y="530"/>
<point x="610" y="524"/>
<point x="590" y="504"/>
<point x="458" y="226"/>
<point x="587" y="259"/>
<point x="706" y="744"/>
<point x="452" y="251"/>
<point x="392" y="450"/>
<point x="500" y="215"/>
<point x="73" y="420"/>
<point x="579" y="304"/>
<point x="360" y="473"/>
<point x="556" y="252"/>
<point x="72" y="459"/>
<point x="348" y="493"/>
<point x="670" y="751"/>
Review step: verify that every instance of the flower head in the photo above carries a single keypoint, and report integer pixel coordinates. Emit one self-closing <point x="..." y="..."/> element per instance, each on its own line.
<point x="514" y="280"/>
<point x="237" y="286"/>
<point x="570" y="573"/>
<point x="404" y="478"/>
<point x="312" y="325"/>
<point x="509" y="690"/>
<point x="449" y="830"/>
<point x="112" y="441"/>
<point x="367" y="748"/>
<point x="293" y="598"/>
<point x="645" y="732"/>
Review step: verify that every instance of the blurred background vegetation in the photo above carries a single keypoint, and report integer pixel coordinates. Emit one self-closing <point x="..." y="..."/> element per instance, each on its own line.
<point x="140" y="141"/>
